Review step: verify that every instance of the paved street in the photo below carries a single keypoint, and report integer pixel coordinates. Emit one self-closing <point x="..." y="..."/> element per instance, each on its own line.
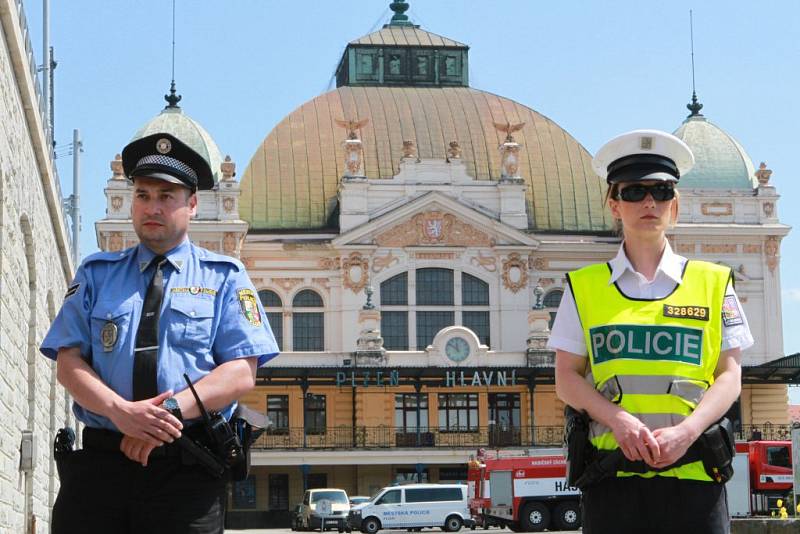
<point x="287" y="531"/>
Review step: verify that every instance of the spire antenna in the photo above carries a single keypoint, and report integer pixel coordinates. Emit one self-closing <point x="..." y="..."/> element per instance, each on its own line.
<point x="695" y="106"/>
<point x="172" y="98"/>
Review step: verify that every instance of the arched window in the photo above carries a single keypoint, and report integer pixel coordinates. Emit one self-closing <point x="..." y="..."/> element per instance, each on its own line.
<point x="553" y="298"/>
<point x="475" y="300"/>
<point x="273" y="307"/>
<point x="308" y="322"/>
<point x="440" y="298"/>
<point x="394" y="322"/>
<point x="551" y="301"/>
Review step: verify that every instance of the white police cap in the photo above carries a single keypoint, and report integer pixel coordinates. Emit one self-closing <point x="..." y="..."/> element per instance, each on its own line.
<point x="643" y="155"/>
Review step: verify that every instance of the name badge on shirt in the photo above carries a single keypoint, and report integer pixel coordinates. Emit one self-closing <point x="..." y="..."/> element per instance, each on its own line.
<point x="699" y="313"/>
<point x="108" y="336"/>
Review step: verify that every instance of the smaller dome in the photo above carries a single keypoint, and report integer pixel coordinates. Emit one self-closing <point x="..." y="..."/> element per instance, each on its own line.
<point x="720" y="161"/>
<point x="172" y="120"/>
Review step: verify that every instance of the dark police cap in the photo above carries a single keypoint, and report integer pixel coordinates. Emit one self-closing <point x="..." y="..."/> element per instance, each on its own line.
<point x="165" y="157"/>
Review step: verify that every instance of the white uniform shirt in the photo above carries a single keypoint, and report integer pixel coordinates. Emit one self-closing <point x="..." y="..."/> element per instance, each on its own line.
<point x="567" y="333"/>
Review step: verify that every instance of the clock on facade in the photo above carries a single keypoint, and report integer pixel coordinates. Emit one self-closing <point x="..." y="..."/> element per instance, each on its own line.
<point x="457" y="349"/>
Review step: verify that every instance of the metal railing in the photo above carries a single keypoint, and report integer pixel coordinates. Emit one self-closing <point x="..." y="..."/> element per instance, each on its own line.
<point x="765" y="431"/>
<point x="40" y="107"/>
<point x="379" y="437"/>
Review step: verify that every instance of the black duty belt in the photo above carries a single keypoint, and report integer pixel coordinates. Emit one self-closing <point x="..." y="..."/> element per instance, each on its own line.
<point x="100" y="439"/>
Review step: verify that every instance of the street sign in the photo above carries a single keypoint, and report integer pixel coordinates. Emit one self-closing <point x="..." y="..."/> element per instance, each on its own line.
<point x="324" y="507"/>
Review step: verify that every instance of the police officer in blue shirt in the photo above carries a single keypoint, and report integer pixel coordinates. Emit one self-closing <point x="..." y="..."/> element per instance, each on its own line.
<point x="132" y="323"/>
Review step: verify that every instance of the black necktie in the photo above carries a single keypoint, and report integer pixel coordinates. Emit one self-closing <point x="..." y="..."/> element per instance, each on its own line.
<point x="145" y="371"/>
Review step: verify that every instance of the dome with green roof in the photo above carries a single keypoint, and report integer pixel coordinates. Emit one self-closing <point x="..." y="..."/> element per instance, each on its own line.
<point x="720" y="161"/>
<point x="172" y="120"/>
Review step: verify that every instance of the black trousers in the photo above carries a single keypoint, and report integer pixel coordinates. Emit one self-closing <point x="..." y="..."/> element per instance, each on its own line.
<point x="103" y="492"/>
<point x="655" y="505"/>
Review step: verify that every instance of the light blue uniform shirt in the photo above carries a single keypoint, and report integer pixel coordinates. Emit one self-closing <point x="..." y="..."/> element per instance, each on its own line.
<point x="210" y="315"/>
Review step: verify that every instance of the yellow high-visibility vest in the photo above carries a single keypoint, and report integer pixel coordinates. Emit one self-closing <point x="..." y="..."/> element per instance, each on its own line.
<point x="655" y="358"/>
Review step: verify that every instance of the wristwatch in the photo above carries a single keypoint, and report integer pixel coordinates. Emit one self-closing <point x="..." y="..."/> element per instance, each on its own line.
<point x="172" y="406"/>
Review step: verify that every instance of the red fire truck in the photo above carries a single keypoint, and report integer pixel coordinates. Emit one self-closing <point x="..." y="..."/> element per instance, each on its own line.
<point x="523" y="491"/>
<point x="770" y="475"/>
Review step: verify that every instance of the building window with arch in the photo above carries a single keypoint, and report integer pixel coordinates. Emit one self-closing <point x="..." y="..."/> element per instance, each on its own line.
<point x="551" y="301"/>
<point x="308" y="322"/>
<point x="273" y="307"/>
<point x="440" y="298"/>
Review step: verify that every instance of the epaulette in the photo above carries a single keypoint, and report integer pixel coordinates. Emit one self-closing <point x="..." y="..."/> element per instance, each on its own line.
<point x="108" y="256"/>
<point x="204" y="254"/>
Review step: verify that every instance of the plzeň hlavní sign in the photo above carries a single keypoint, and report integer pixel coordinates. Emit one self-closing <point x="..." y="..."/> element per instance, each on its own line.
<point x="450" y="379"/>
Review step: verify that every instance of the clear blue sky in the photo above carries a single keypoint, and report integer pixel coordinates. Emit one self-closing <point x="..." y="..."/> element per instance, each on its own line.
<point x="596" y="68"/>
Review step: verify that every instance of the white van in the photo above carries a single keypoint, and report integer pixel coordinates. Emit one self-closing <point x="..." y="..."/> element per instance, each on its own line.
<point x="413" y="506"/>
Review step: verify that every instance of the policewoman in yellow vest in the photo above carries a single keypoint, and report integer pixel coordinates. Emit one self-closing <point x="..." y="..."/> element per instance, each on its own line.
<point x="649" y="344"/>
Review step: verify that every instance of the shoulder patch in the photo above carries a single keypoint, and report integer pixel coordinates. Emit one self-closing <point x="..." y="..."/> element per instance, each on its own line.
<point x="71" y="290"/>
<point x="249" y="305"/>
<point x="731" y="314"/>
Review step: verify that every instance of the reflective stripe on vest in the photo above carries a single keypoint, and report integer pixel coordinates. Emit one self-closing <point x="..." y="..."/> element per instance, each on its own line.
<point x="655" y="358"/>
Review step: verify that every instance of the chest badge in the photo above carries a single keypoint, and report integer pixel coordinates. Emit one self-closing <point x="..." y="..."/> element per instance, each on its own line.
<point x="108" y="336"/>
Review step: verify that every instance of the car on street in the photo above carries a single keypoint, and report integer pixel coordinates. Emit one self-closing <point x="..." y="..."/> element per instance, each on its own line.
<point x="312" y="514"/>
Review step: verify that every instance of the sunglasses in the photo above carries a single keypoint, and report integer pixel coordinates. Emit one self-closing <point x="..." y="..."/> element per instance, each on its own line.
<point x="637" y="193"/>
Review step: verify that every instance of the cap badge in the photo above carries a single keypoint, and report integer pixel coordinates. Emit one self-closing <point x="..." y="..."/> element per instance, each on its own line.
<point x="164" y="146"/>
<point x="646" y="143"/>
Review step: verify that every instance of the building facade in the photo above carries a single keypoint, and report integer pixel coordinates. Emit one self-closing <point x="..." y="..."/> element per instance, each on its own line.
<point x="409" y="236"/>
<point x="35" y="267"/>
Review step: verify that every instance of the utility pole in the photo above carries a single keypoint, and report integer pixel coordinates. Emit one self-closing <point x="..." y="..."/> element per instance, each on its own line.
<point x="72" y="202"/>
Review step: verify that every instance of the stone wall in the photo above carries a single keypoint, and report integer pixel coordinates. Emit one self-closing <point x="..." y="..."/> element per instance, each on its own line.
<point x="33" y="279"/>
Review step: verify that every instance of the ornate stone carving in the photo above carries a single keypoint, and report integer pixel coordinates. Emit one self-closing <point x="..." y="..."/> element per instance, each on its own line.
<point x="509" y="153"/>
<point x="771" y="247"/>
<point x="435" y="255"/>
<point x="515" y="273"/>
<point x="409" y="150"/>
<point x="685" y="248"/>
<point x="751" y="249"/>
<point x="769" y="208"/>
<point x="355" y="269"/>
<point x="352" y="145"/>
<point x="508" y="129"/>
<point x="116" y="203"/>
<point x="718" y="249"/>
<point x="352" y="157"/>
<point x="210" y="245"/>
<point x="228" y="169"/>
<point x="537" y="263"/>
<point x="287" y="283"/>
<point x="716" y="209"/>
<point x="487" y="262"/>
<point x="322" y="282"/>
<point x="116" y="168"/>
<point x="454" y="151"/>
<point x="227" y="204"/>
<point x="763" y="174"/>
<point x="434" y="228"/>
<point x="380" y="263"/>
<point x="115" y="242"/>
<point x="330" y="264"/>
<point x="546" y="282"/>
<point x="229" y="243"/>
